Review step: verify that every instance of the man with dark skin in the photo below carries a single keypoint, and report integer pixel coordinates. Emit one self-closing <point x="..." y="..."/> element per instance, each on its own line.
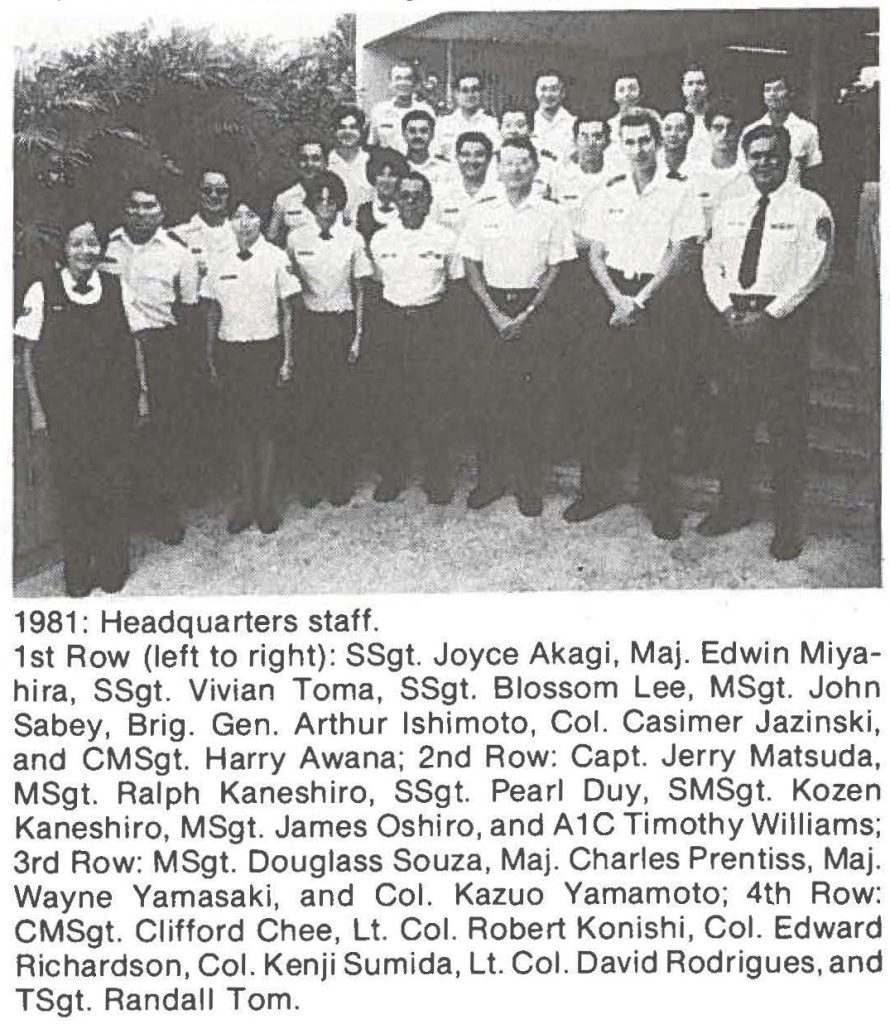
<point x="769" y="251"/>
<point x="288" y="210"/>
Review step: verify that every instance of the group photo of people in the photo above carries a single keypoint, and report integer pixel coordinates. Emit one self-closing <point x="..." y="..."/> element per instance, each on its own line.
<point x="454" y="302"/>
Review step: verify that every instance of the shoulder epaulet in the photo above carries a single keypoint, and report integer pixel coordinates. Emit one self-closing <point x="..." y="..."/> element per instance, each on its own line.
<point x="616" y="179"/>
<point x="171" y="234"/>
<point x="548" y="154"/>
<point x="486" y="199"/>
<point x="116" y="234"/>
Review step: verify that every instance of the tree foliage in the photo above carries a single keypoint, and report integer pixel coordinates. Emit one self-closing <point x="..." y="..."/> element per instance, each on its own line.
<point x="133" y="107"/>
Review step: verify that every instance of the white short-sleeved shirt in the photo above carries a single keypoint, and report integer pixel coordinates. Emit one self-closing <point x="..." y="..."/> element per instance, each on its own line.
<point x="714" y="185"/>
<point x="353" y="174"/>
<point x="698" y="152"/>
<point x="248" y="292"/>
<point x="556" y="135"/>
<point x="795" y="253"/>
<point x="155" y="276"/>
<point x="572" y="189"/>
<point x="415" y="266"/>
<point x="452" y="202"/>
<point x="385" y="123"/>
<point x="451" y="126"/>
<point x="327" y="268"/>
<point x="29" y="324"/>
<point x="636" y="228"/>
<point x="435" y="169"/>
<point x="289" y="204"/>
<point x="206" y="242"/>
<point x="806" y="151"/>
<point x="517" y="244"/>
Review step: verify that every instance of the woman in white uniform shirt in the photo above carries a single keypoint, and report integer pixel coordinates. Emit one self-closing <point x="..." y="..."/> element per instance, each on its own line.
<point x="81" y="376"/>
<point x="333" y="266"/>
<point x="248" y="297"/>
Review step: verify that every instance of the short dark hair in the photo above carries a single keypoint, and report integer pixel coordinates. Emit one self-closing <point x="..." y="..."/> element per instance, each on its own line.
<point x="722" y="106"/>
<point x="417" y="176"/>
<point x="587" y="118"/>
<point x="314" y="140"/>
<point x="637" y="116"/>
<point x="348" y="110"/>
<point x="330" y="181"/>
<point x="514" y="106"/>
<point x="768" y="131"/>
<point x="785" y="79"/>
<point x="381" y="157"/>
<point x="469" y="73"/>
<point x="253" y="200"/>
<point x="520" y="142"/>
<point x="479" y="137"/>
<point x="147" y="187"/>
<point x="418" y="115"/>
<point x="687" y="117"/>
<point x="695" y="66"/>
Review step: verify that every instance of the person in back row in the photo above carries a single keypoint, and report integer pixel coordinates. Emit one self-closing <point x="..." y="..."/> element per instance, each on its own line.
<point x="806" y="152"/>
<point x="468" y="116"/>
<point x="347" y="159"/>
<point x="417" y="128"/>
<point x="385" y="121"/>
<point x="553" y="125"/>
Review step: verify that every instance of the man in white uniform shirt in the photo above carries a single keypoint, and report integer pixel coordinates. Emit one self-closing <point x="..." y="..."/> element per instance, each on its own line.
<point x="159" y="282"/>
<point x="627" y="95"/>
<point x="208" y="233"/>
<point x="468" y="116"/>
<point x="417" y="128"/>
<point x="724" y="174"/>
<point x="676" y="131"/>
<point x="642" y="227"/>
<point x="513" y="247"/>
<point x="696" y="94"/>
<point x="584" y="172"/>
<point x="806" y="152"/>
<point x="553" y="124"/>
<point x="347" y="159"/>
<point x="385" y="121"/>
<point x="288" y="209"/>
<point x="768" y="253"/>
<point x="458" y="191"/>
<point x="516" y="122"/>
<point x="415" y="262"/>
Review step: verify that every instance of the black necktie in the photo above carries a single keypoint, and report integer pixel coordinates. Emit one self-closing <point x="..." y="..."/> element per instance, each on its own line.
<point x="82" y="287"/>
<point x="244" y="254"/>
<point x="751" y="252"/>
<point x="326" y="235"/>
<point x="675" y="176"/>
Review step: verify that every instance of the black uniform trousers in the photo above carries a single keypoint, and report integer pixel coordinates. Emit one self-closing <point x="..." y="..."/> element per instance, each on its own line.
<point x="631" y="379"/>
<point x="326" y="401"/>
<point x="166" y="442"/>
<point x="414" y="371"/>
<point x="87" y="383"/>
<point x="764" y="376"/>
<point x="518" y="399"/>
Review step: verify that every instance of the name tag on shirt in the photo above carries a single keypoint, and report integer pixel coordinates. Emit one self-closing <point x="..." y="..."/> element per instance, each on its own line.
<point x="228" y="277"/>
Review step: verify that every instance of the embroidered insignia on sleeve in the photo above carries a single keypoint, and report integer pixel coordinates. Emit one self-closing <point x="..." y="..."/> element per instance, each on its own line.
<point x="823" y="229"/>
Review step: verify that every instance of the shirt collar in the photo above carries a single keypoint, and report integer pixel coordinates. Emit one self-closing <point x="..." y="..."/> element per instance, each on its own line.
<point x="69" y="282"/>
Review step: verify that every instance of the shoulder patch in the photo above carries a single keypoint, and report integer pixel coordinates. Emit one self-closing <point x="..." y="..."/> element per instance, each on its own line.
<point x="823" y="229"/>
<point x="171" y="234"/>
<point x="616" y="179"/>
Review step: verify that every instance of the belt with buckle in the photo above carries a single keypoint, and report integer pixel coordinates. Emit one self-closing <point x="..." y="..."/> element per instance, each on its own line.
<point x="628" y="283"/>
